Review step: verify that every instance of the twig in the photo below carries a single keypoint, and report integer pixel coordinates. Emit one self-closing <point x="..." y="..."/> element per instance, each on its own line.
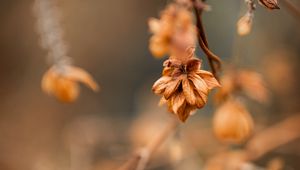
<point x="292" y="8"/>
<point x="273" y="137"/>
<point x="213" y="60"/>
<point x="140" y="159"/>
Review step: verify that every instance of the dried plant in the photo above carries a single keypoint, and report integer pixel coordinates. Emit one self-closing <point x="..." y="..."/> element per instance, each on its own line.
<point x="244" y="24"/>
<point x="183" y="85"/>
<point x="61" y="79"/>
<point x="232" y="122"/>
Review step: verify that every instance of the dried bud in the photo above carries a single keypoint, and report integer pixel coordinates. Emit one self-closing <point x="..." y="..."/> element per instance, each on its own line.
<point x="184" y="86"/>
<point x="270" y="4"/>
<point x="232" y="122"/>
<point x="62" y="82"/>
<point x="244" y="25"/>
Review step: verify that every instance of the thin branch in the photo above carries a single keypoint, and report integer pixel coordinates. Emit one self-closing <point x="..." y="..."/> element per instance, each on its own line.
<point x="140" y="159"/>
<point x="213" y="60"/>
<point x="292" y="8"/>
<point x="273" y="137"/>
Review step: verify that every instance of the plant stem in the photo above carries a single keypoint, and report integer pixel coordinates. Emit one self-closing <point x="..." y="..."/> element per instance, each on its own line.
<point x="213" y="60"/>
<point x="292" y="8"/>
<point x="273" y="137"/>
<point x="140" y="159"/>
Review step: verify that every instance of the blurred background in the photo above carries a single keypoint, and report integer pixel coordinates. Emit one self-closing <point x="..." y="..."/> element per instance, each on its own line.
<point x="110" y="40"/>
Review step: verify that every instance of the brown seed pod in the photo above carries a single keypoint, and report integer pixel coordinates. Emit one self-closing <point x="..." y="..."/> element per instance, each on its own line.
<point x="232" y="123"/>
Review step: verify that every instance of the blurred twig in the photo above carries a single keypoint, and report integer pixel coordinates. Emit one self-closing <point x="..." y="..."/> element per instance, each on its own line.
<point x="139" y="160"/>
<point x="273" y="137"/>
<point x="292" y="8"/>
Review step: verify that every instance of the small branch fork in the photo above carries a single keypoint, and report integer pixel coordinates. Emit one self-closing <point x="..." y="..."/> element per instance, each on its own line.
<point x="213" y="60"/>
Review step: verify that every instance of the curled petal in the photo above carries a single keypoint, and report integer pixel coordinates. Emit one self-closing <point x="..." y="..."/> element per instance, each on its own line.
<point x="209" y="79"/>
<point x="167" y="71"/>
<point x="201" y="100"/>
<point x="200" y="85"/>
<point x="188" y="91"/>
<point x="160" y="85"/>
<point x="171" y="88"/>
<point x="178" y="102"/>
<point x="78" y="74"/>
<point x="186" y="112"/>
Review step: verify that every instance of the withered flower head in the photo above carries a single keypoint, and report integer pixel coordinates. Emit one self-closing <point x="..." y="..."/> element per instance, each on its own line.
<point x="173" y="32"/>
<point x="232" y="122"/>
<point x="244" y="24"/>
<point x="270" y="4"/>
<point x="62" y="82"/>
<point x="184" y="86"/>
<point x="246" y="81"/>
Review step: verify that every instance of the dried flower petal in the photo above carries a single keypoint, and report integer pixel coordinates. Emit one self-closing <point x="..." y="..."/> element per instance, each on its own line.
<point x="209" y="79"/>
<point x="161" y="84"/>
<point x="171" y="88"/>
<point x="188" y="92"/>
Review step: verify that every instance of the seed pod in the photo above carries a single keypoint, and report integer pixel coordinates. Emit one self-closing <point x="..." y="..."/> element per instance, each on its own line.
<point x="232" y="122"/>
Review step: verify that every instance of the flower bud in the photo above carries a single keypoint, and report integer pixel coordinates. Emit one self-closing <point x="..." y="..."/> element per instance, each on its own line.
<point x="244" y="25"/>
<point x="270" y="4"/>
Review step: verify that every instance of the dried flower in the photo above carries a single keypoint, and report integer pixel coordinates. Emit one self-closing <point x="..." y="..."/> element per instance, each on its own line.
<point x="244" y="25"/>
<point x="173" y="33"/>
<point x="184" y="86"/>
<point x="62" y="82"/>
<point x="270" y="4"/>
<point x="253" y="85"/>
<point x="249" y="82"/>
<point x="232" y="122"/>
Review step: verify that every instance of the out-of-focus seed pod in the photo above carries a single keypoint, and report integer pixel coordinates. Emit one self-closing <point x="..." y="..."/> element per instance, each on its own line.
<point x="270" y="4"/>
<point x="64" y="84"/>
<point x="244" y="25"/>
<point x="232" y="122"/>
